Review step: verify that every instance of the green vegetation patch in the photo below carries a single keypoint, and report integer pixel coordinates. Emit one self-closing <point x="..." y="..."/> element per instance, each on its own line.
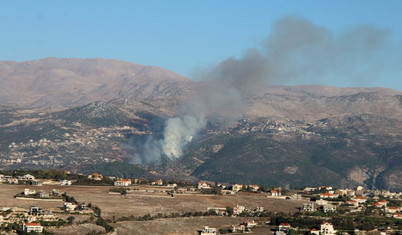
<point x="118" y="169"/>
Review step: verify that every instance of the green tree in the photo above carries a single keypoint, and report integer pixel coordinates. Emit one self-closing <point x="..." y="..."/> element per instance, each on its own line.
<point x="70" y="220"/>
<point x="216" y="190"/>
<point x="229" y="211"/>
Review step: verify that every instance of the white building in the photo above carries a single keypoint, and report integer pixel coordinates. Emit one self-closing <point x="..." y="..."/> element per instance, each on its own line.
<point x="122" y="183"/>
<point x="207" y="231"/>
<point x="35" y="227"/>
<point x="326" y="228"/>
<point x="203" y="185"/>
<point x="250" y="224"/>
<point x="26" y="177"/>
<point x="28" y="192"/>
<point x="68" y="206"/>
<point x="310" y="207"/>
<point x="238" y="209"/>
<point x="328" y="208"/>
<point x="315" y="231"/>
<point x="65" y="182"/>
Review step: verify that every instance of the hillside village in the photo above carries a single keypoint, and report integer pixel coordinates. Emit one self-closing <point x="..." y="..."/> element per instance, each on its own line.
<point x="77" y="138"/>
<point x="72" y="147"/>
<point x="326" y="204"/>
<point x="78" y="144"/>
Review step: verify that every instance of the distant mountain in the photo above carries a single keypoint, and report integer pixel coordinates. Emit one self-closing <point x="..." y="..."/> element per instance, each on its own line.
<point x="66" y="82"/>
<point x="312" y="107"/>
<point x="53" y="82"/>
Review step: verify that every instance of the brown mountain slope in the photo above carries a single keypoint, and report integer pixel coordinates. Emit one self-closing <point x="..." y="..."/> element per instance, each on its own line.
<point x="53" y="82"/>
<point x="311" y="108"/>
<point x="61" y="82"/>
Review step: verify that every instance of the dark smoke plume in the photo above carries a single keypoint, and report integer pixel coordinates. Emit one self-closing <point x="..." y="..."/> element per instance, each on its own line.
<point x="295" y="50"/>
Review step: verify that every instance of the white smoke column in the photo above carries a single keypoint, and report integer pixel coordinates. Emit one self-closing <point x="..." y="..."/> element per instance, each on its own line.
<point x="178" y="132"/>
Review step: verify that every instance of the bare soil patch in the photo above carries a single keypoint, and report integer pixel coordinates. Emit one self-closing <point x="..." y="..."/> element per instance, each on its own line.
<point x="188" y="225"/>
<point x="139" y="204"/>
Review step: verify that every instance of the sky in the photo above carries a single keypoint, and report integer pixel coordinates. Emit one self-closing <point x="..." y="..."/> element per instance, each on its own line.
<point x="189" y="36"/>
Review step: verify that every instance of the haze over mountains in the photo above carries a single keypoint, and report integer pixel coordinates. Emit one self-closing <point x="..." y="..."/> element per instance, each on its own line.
<point x="289" y="135"/>
<point x="63" y="82"/>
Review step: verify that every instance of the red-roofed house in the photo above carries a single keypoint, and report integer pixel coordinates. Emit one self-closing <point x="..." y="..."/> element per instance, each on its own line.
<point x="158" y="182"/>
<point x="276" y="193"/>
<point x="391" y="209"/>
<point x="122" y="183"/>
<point x="397" y="216"/>
<point x="254" y="188"/>
<point x="383" y="202"/>
<point x="353" y="202"/>
<point x="203" y="185"/>
<point x="328" y="195"/>
<point x="35" y="227"/>
<point x="378" y="205"/>
<point x="284" y="227"/>
<point x="250" y="224"/>
<point x="360" y="199"/>
<point x="314" y="231"/>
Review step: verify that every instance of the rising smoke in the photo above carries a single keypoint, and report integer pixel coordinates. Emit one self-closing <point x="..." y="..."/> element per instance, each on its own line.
<point x="295" y="50"/>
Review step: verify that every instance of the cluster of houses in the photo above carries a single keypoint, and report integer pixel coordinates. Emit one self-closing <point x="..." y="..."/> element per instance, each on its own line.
<point x="245" y="226"/>
<point x="29" y="218"/>
<point x="326" y="228"/>
<point x="16" y="180"/>
<point x="357" y="200"/>
<point x="121" y="182"/>
<point x="125" y="182"/>
<point x="28" y="179"/>
<point x="274" y="191"/>
<point x="41" y="193"/>
<point x="324" y="204"/>
<point x="26" y="217"/>
<point x="70" y="206"/>
<point x="237" y="210"/>
<point x="240" y="228"/>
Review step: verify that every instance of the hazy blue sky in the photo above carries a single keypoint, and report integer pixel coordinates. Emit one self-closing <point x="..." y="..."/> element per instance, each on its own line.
<point x="183" y="35"/>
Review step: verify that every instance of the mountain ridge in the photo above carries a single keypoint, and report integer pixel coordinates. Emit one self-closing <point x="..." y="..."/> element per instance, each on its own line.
<point x="54" y="82"/>
<point x="65" y="82"/>
<point x="309" y="134"/>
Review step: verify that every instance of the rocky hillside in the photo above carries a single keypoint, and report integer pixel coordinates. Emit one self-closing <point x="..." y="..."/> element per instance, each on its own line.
<point x="65" y="82"/>
<point x="76" y="113"/>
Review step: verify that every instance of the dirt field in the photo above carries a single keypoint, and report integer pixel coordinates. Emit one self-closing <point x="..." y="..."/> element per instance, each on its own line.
<point x="141" y="203"/>
<point x="7" y="192"/>
<point x="182" y="225"/>
<point x="79" y="229"/>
